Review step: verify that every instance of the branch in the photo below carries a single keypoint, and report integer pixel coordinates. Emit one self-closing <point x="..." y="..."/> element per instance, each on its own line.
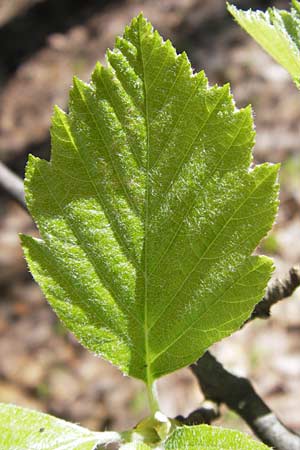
<point x="12" y="184"/>
<point x="238" y="394"/>
<point x="278" y="290"/>
<point x="208" y="412"/>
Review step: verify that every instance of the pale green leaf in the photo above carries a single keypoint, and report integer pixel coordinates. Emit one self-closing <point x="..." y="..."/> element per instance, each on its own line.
<point x="148" y="210"/>
<point x="25" y="429"/>
<point x="277" y="31"/>
<point x="204" y="437"/>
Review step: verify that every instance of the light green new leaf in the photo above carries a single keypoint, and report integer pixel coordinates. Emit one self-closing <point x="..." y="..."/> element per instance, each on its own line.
<point x="24" y="429"/>
<point x="148" y="210"/>
<point x="204" y="437"/>
<point x="277" y="31"/>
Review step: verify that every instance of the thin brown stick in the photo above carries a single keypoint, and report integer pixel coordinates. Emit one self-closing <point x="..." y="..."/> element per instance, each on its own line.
<point x="12" y="184"/>
<point x="278" y="290"/>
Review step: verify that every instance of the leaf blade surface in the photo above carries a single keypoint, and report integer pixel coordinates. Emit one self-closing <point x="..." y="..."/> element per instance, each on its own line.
<point x="148" y="210"/>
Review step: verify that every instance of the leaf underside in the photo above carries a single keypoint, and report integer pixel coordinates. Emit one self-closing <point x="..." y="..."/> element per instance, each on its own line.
<point x="148" y="210"/>
<point x="25" y="429"/>
<point x="277" y="31"/>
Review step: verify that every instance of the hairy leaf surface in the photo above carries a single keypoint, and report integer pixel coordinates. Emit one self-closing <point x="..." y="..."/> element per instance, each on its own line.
<point x="148" y="210"/>
<point x="204" y="437"/>
<point x="25" y="429"/>
<point x="277" y="31"/>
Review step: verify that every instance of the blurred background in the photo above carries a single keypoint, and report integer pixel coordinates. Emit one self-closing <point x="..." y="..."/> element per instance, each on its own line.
<point x="45" y="42"/>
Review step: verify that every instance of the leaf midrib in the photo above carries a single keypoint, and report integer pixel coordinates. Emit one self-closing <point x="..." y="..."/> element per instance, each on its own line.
<point x="149" y="379"/>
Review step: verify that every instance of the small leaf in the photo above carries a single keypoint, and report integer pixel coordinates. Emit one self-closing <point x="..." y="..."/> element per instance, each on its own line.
<point x="277" y="31"/>
<point x="24" y="429"/>
<point x="148" y="210"/>
<point x="204" y="437"/>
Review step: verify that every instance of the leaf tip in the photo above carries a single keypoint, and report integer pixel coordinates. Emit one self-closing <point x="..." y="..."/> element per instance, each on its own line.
<point x="141" y="23"/>
<point x="97" y="72"/>
<point x="230" y="7"/>
<point x="56" y="109"/>
<point x="268" y="264"/>
<point x="275" y="168"/>
<point x="32" y="161"/>
<point x="22" y="237"/>
<point x="75" y="81"/>
<point x="27" y="242"/>
<point x="141" y="17"/>
<point x="78" y="84"/>
<point x="58" y="116"/>
<point x="233" y="10"/>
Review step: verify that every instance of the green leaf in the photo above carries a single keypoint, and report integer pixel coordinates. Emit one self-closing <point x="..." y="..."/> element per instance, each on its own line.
<point x="277" y="31"/>
<point x="24" y="429"/>
<point x="204" y="437"/>
<point x="148" y="210"/>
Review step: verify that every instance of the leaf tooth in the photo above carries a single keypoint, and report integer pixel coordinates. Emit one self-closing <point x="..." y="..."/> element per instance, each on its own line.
<point x="32" y="187"/>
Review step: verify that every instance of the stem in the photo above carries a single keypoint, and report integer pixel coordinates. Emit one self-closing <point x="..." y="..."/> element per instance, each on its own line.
<point x="152" y="396"/>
